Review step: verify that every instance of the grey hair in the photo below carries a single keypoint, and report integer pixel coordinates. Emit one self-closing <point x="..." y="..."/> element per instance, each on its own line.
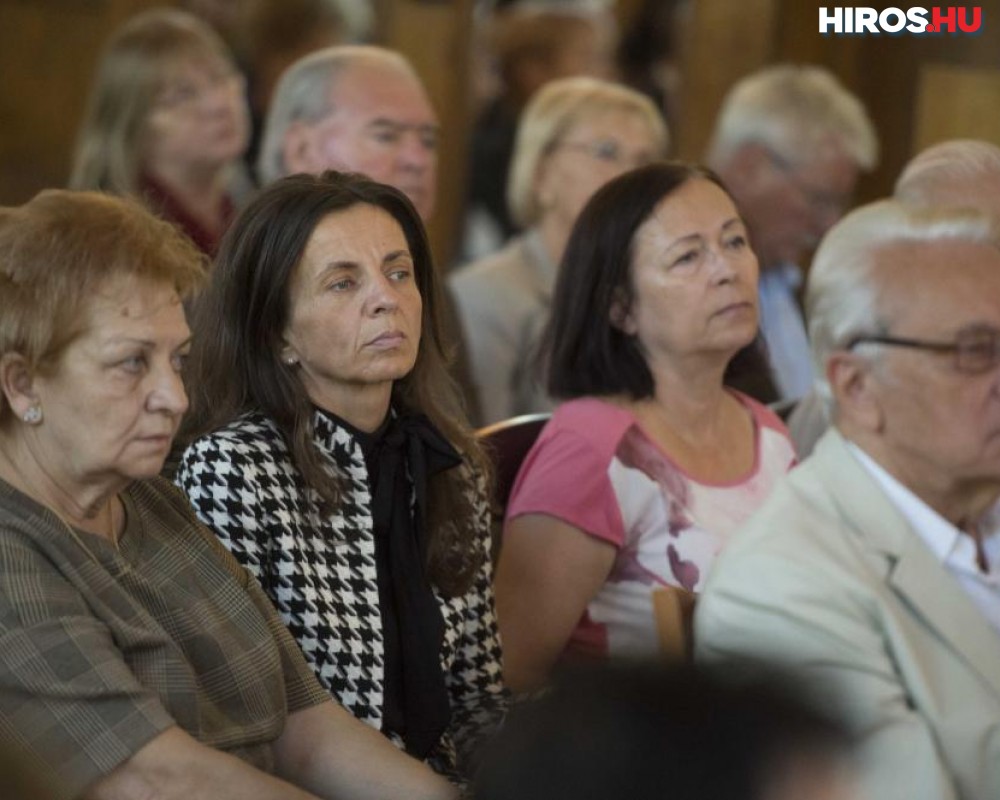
<point x="555" y="108"/>
<point x="946" y="173"/>
<point x="794" y="110"/>
<point x="845" y="289"/>
<point x="305" y="93"/>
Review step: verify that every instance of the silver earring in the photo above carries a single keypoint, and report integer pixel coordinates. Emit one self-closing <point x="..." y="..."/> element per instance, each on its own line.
<point x="33" y="415"/>
<point x="291" y="361"/>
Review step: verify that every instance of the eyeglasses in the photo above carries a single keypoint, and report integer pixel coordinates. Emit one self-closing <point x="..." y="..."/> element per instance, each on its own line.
<point x="820" y="200"/>
<point x="187" y="94"/>
<point x="606" y="150"/>
<point x="974" y="351"/>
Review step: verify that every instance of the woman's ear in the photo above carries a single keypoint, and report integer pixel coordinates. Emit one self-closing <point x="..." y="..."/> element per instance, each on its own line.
<point x="621" y="315"/>
<point x="17" y="383"/>
<point x="288" y="355"/>
<point x="541" y="185"/>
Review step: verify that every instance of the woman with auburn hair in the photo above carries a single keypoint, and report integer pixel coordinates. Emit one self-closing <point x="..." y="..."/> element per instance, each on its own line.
<point x="332" y="458"/>
<point x="166" y="122"/>
<point x="650" y="463"/>
<point x="139" y="658"/>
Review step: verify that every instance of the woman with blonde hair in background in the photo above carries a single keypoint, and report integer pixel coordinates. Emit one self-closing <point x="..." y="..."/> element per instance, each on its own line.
<point x="167" y="123"/>
<point x="575" y="135"/>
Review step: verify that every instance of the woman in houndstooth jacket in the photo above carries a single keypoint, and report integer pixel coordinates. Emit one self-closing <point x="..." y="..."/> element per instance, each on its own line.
<point x="328" y="452"/>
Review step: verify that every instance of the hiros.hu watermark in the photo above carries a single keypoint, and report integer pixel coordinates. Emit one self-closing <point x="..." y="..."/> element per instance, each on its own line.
<point x="916" y="20"/>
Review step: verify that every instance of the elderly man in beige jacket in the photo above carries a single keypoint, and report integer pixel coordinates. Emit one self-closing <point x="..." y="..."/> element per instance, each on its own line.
<point x="876" y="563"/>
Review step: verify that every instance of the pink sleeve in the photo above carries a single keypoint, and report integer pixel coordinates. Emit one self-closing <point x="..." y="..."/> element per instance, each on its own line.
<point x="567" y="478"/>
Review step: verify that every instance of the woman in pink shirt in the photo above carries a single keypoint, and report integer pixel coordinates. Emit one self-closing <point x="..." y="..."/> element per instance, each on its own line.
<point x="650" y="464"/>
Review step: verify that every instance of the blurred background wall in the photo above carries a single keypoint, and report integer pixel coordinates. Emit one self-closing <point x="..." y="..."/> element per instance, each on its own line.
<point x="918" y="89"/>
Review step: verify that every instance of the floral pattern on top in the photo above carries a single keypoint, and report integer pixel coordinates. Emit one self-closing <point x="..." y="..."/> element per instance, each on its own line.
<point x="596" y="469"/>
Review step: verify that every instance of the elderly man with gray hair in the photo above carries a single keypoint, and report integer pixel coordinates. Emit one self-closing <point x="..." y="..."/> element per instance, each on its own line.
<point x="361" y="108"/>
<point x="789" y="142"/>
<point x="958" y="173"/>
<point x="355" y="108"/>
<point x="876" y="563"/>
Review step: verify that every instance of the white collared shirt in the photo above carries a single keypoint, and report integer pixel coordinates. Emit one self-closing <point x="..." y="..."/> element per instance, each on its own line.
<point x="954" y="549"/>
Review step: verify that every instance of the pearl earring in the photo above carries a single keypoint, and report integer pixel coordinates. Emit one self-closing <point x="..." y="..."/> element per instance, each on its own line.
<point x="291" y="361"/>
<point x="33" y="415"/>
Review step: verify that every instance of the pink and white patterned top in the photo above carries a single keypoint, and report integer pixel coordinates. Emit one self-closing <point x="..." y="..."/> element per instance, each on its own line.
<point x="594" y="467"/>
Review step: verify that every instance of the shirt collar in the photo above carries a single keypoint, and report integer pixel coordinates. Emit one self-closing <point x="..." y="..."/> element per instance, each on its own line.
<point x="949" y="545"/>
<point x="787" y="275"/>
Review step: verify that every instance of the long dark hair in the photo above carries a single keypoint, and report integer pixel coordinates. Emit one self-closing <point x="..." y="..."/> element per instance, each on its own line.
<point x="584" y="352"/>
<point x="235" y="364"/>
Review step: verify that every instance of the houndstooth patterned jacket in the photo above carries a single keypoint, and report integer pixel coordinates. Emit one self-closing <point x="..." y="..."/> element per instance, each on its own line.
<point x="320" y="572"/>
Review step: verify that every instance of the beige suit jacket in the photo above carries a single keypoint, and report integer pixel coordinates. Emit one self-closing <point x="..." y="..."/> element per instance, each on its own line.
<point x="503" y="304"/>
<point x="829" y="577"/>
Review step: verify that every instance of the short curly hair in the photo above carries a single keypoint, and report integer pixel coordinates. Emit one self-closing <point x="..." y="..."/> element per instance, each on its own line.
<point x="59" y="249"/>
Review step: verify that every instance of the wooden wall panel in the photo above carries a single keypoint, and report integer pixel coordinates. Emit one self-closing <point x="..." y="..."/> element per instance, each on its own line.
<point x="957" y="102"/>
<point x="436" y="37"/>
<point x="724" y="41"/>
<point x="48" y="50"/>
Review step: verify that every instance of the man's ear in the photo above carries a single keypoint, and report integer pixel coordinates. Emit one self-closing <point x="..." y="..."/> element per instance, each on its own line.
<point x="17" y="383"/>
<point x="855" y="387"/>
<point x="298" y="147"/>
<point x="749" y="164"/>
<point x="621" y="315"/>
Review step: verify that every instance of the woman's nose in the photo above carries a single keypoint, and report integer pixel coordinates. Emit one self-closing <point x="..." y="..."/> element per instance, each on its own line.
<point x="382" y="296"/>
<point x="168" y="393"/>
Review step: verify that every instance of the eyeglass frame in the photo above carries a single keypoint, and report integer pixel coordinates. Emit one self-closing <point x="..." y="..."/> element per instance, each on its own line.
<point x="186" y="95"/>
<point x="957" y="347"/>
<point x="607" y="151"/>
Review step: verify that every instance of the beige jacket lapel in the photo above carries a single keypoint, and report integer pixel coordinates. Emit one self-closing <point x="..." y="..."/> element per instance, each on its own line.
<point x="912" y="570"/>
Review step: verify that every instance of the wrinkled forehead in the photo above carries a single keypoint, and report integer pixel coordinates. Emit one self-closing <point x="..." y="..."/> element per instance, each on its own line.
<point x="950" y="280"/>
<point x="124" y="303"/>
<point x="382" y="90"/>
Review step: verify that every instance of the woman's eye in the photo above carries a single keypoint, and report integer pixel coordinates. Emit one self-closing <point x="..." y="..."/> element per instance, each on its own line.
<point x="737" y="242"/>
<point x="342" y="285"/>
<point x="400" y="274"/>
<point x="179" y="360"/>
<point x="133" y="364"/>
<point x="686" y="258"/>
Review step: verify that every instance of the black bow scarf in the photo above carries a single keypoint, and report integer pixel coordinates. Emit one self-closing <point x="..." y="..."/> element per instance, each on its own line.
<point x="401" y="458"/>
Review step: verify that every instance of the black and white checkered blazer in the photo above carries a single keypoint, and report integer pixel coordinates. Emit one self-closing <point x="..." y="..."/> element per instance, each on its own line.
<point x="320" y="571"/>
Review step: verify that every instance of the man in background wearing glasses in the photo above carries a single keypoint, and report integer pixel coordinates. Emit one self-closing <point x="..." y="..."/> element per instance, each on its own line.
<point x="958" y="173"/>
<point x="876" y="564"/>
<point x="790" y="143"/>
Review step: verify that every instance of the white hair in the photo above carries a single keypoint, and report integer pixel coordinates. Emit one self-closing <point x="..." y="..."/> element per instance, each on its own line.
<point x="795" y="111"/>
<point x="306" y="92"/>
<point x="946" y="173"/>
<point x="845" y="285"/>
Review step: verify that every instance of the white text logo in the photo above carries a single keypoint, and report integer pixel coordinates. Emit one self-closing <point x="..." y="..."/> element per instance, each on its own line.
<point x="936" y="20"/>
